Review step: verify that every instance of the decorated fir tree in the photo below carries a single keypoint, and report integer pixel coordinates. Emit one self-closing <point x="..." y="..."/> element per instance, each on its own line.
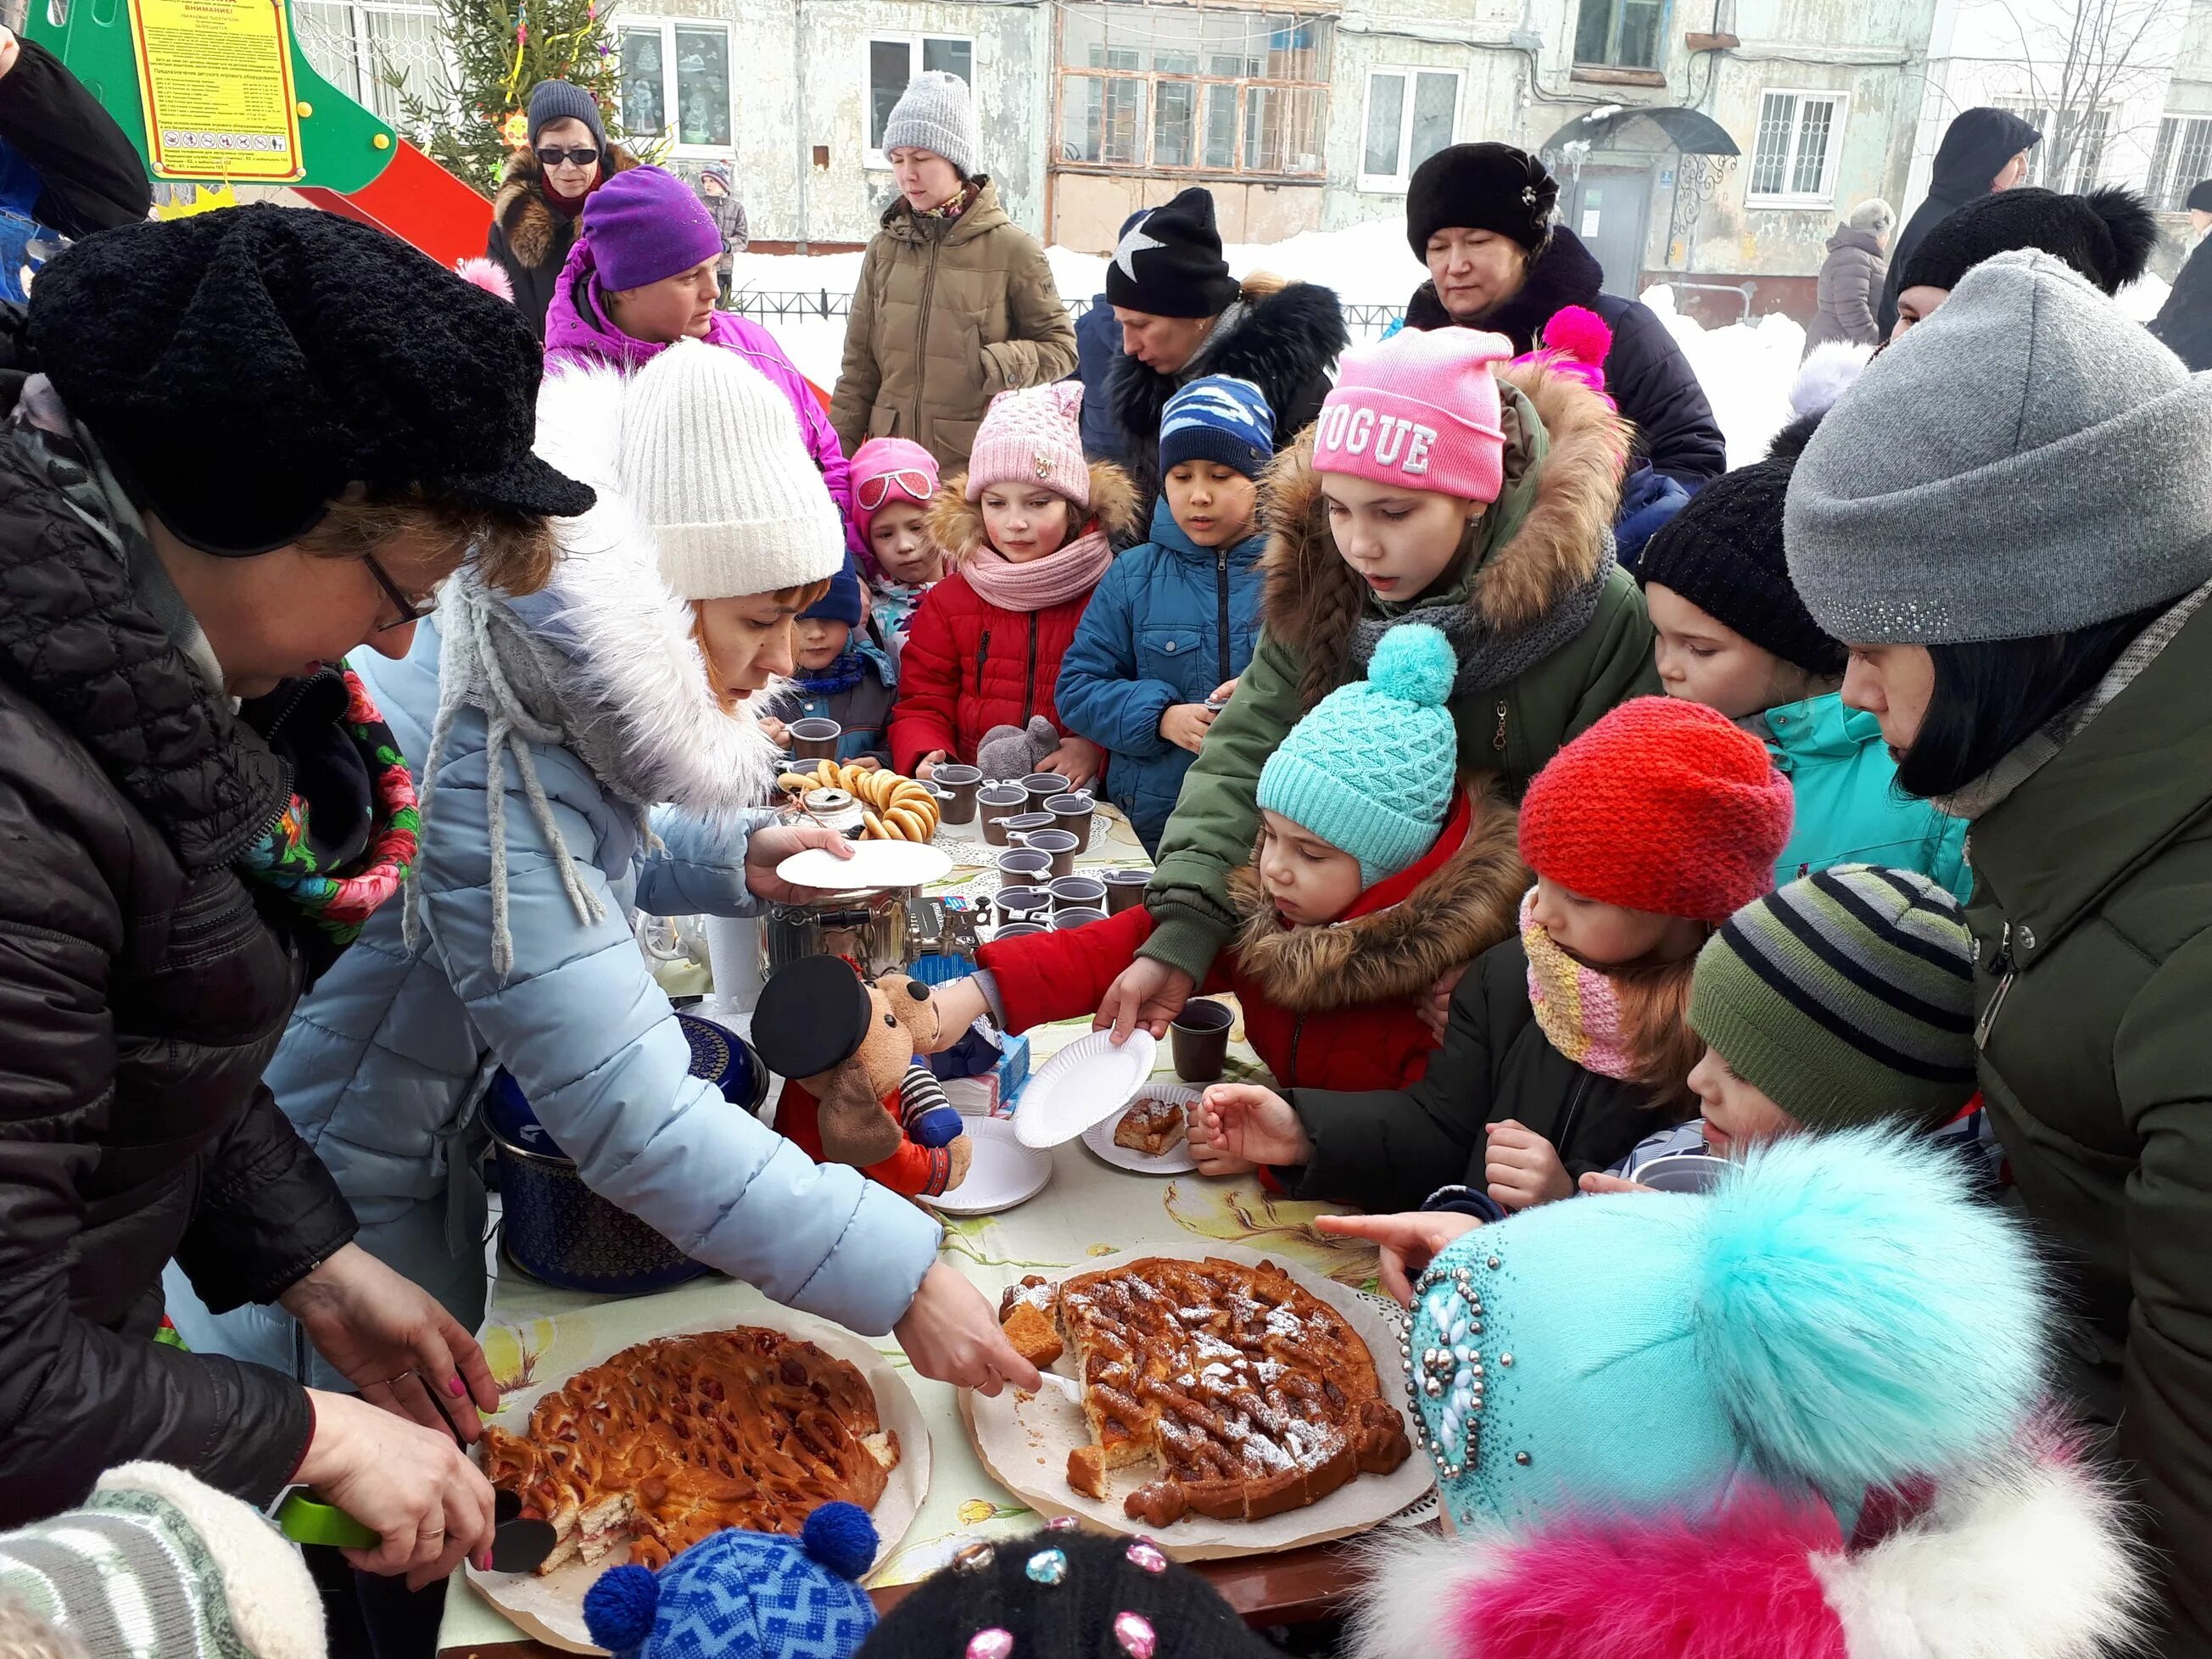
<point x="500" y="49"/>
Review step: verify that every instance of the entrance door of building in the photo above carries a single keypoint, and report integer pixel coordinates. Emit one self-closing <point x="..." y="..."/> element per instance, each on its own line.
<point x="1610" y="208"/>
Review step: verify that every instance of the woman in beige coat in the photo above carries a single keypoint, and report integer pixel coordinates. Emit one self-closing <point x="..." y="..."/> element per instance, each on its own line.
<point x="956" y="303"/>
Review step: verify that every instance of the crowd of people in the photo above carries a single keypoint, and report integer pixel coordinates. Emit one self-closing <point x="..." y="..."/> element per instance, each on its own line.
<point x="1555" y="801"/>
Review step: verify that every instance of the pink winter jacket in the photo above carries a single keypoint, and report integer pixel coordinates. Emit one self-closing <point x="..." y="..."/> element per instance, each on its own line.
<point x="578" y="330"/>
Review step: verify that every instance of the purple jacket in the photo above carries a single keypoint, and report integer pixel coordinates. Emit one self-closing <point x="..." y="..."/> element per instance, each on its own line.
<point x="578" y="332"/>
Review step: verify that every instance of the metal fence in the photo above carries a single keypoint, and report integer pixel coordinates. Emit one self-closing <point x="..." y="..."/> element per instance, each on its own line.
<point x="793" y="305"/>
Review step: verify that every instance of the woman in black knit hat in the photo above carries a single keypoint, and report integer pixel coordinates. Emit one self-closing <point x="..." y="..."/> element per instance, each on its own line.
<point x="2107" y="235"/>
<point x="1480" y="218"/>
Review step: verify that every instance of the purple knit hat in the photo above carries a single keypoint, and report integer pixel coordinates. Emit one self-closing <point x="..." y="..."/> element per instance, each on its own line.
<point x="646" y="224"/>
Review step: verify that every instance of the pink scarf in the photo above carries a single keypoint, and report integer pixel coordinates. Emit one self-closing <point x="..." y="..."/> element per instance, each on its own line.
<point x="1576" y="1007"/>
<point x="1067" y="574"/>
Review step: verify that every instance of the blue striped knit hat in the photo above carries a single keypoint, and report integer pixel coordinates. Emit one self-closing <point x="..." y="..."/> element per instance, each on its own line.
<point x="1371" y="768"/>
<point x="1219" y="418"/>
<point x="738" y="1595"/>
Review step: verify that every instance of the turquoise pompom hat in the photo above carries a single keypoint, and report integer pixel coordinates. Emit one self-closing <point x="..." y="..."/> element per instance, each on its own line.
<point x="1838" y="1314"/>
<point x="1371" y="768"/>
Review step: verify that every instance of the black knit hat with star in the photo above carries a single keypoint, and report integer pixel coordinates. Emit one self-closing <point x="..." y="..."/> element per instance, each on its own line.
<point x="1169" y="262"/>
<point x="1722" y="552"/>
<point x="1486" y="187"/>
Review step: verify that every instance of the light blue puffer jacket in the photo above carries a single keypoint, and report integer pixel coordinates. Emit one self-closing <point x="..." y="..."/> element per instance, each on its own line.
<point x="383" y="1064"/>
<point x="1850" y="810"/>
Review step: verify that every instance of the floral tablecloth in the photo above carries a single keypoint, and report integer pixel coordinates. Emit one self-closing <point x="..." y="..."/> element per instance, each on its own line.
<point x="1088" y="1209"/>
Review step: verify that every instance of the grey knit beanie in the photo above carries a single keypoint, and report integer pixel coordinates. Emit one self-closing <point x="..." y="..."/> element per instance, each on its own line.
<point x="937" y="113"/>
<point x="564" y="100"/>
<point x="2027" y="461"/>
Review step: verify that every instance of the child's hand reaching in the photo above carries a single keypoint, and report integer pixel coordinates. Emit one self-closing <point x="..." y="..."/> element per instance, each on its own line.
<point x="1076" y="760"/>
<point x="959" y="1004"/>
<point x="1186" y="724"/>
<point x="1521" y="1167"/>
<point x="1241" y="1121"/>
<point x="776" y="731"/>
<point x="1409" y="1242"/>
<point x="1598" y="1182"/>
<point x="928" y="763"/>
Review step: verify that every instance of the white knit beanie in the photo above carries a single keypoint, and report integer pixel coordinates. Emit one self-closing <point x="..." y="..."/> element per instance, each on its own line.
<point x="713" y="461"/>
<point x="937" y="113"/>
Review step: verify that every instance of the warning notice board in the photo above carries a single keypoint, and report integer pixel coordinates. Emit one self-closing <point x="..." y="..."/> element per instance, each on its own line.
<point x="216" y="76"/>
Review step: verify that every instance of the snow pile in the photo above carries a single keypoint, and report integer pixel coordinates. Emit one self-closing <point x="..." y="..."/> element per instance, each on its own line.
<point x="1745" y="369"/>
<point x="2141" y="298"/>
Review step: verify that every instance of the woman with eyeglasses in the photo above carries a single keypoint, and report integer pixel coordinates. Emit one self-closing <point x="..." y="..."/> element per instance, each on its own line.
<point x="201" y="807"/>
<point x="545" y="185"/>
<point x="642" y="276"/>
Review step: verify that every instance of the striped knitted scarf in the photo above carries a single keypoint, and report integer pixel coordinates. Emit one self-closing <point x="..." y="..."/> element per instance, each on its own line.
<point x="1576" y="1008"/>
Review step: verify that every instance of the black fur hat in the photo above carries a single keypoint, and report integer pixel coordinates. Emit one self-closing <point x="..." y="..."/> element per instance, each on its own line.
<point x="1485" y="186"/>
<point x="2107" y="235"/>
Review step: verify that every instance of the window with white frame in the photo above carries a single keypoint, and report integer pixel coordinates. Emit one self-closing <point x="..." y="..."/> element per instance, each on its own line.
<point x="375" y="51"/>
<point x="2182" y="161"/>
<point x="2071" y="156"/>
<point x="1411" y="115"/>
<point x="675" y="82"/>
<point x="1800" y="143"/>
<point x="896" y="59"/>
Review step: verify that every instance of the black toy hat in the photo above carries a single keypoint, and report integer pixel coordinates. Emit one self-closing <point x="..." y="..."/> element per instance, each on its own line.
<point x="1169" y="262"/>
<point x="2106" y="235"/>
<point x="811" y="1016"/>
<point x="242" y="367"/>
<point x="1487" y="187"/>
<point x="1722" y="552"/>
<point x="1062" y="1594"/>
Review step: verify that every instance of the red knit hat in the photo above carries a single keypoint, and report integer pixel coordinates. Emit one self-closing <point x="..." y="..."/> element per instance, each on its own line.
<point x="1662" y="805"/>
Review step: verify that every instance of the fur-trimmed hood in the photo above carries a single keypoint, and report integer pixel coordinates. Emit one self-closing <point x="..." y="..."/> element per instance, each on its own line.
<point x="519" y="208"/>
<point x="636" y="670"/>
<point x="1402" y="934"/>
<point x="1554" y="516"/>
<point x="2027" y="1558"/>
<point x="956" y="524"/>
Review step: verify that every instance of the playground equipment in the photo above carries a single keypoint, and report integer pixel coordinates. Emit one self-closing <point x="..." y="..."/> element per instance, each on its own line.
<point x="218" y="91"/>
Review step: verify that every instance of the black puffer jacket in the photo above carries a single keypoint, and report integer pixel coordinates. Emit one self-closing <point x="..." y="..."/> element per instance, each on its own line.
<point x="1645" y="372"/>
<point x="1386" y="1150"/>
<point x="2184" y="321"/>
<point x="141" y="990"/>
<point x="1285" y="341"/>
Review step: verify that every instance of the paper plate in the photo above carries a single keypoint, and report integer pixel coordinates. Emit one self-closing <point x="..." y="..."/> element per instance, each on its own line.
<point x="1082" y="1082"/>
<point x="1176" y="1160"/>
<point x="874" y="864"/>
<point x="1005" y="1172"/>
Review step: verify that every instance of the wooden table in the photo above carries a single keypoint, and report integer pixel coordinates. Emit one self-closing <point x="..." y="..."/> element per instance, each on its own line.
<point x="1089" y="1209"/>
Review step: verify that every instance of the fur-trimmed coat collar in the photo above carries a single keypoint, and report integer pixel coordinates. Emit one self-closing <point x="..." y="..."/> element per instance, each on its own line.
<point x="1564" y="274"/>
<point x="956" y="524"/>
<point x="1403" y="932"/>
<point x="636" y="688"/>
<point x="519" y="209"/>
<point x="1545" y="536"/>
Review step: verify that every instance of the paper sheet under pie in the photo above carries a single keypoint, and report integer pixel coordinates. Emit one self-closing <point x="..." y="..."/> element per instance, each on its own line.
<point x="551" y="1608"/>
<point x="1025" y="1442"/>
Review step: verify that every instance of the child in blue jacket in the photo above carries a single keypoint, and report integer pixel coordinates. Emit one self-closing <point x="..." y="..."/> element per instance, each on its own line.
<point x="1734" y="635"/>
<point x="839" y="673"/>
<point x="1173" y="622"/>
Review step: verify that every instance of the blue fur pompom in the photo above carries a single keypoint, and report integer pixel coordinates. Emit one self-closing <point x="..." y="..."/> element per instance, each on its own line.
<point x="841" y="1538"/>
<point x="1860" y="1313"/>
<point x="618" y="1609"/>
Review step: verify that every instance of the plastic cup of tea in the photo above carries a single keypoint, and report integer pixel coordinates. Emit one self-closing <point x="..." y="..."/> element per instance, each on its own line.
<point x="1078" y="893"/>
<point x="1199" y="1039"/>
<point x="1066" y="920"/>
<point x="1024" y="867"/>
<point x="1074" y="813"/>
<point x="1683" y="1172"/>
<point x="1125" y="888"/>
<point x="957" y="787"/>
<point x="814" y="738"/>
<point x="1058" y="845"/>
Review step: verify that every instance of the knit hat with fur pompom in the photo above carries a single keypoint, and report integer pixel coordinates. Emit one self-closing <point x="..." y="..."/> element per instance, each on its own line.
<point x="1664" y="807"/>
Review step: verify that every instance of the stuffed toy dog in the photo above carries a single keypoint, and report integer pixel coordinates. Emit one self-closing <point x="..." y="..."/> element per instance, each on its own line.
<point x="854" y="1091"/>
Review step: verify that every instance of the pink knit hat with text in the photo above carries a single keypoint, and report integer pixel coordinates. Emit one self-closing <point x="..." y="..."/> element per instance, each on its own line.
<point x="1418" y="409"/>
<point x="1033" y="437"/>
<point x="887" y="470"/>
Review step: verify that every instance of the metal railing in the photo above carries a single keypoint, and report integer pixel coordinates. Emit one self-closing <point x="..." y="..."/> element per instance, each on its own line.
<point x="795" y="305"/>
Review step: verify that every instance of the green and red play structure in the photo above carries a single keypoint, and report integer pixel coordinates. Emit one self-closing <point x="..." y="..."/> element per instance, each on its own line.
<point x="348" y="160"/>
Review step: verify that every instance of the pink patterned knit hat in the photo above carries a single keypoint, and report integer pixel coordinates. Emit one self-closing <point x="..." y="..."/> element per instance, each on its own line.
<point x="1418" y="409"/>
<point x="1033" y="437"/>
<point x="887" y="470"/>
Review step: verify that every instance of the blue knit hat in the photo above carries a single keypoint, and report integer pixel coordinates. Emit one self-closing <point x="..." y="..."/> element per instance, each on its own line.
<point x="1371" y="768"/>
<point x="1219" y="418"/>
<point x="1839" y="1313"/>
<point x="745" y="1595"/>
<point x="845" y="602"/>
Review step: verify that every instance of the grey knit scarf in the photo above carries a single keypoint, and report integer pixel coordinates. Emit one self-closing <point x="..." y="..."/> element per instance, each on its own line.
<point x="1487" y="659"/>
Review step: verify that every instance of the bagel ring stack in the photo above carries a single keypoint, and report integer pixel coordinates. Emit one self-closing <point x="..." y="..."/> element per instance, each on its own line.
<point x="892" y="807"/>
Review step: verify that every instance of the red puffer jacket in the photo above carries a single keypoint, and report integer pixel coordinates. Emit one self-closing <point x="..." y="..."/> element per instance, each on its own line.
<point x="1326" y="1007"/>
<point x="969" y="665"/>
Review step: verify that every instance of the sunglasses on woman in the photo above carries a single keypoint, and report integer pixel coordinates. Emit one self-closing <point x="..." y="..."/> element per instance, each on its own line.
<point x="874" y="492"/>
<point x="552" y="157"/>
